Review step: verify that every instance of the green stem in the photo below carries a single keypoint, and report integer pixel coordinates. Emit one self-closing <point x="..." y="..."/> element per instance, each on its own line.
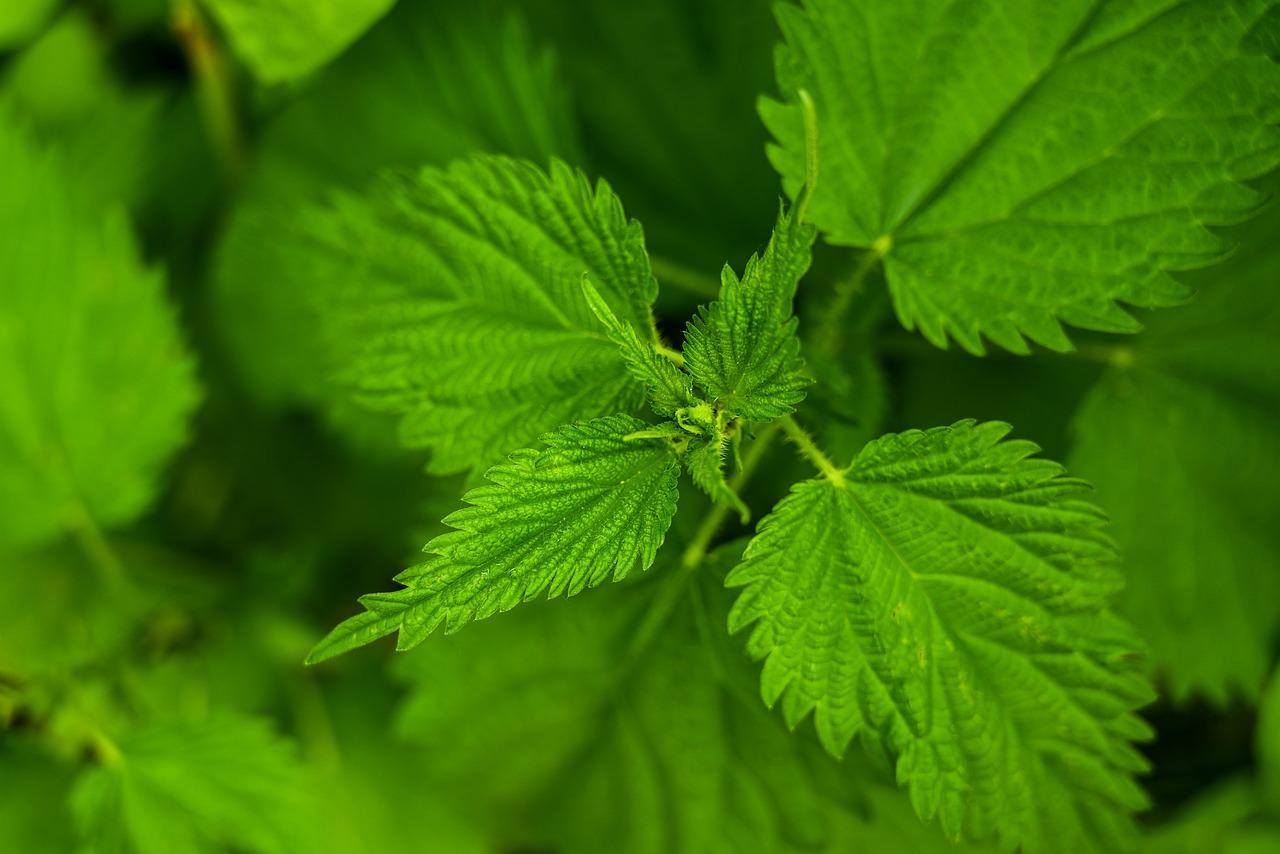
<point x="677" y="275"/>
<point x="105" y="750"/>
<point x="826" y="338"/>
<point x="696" y="551"/>
<point x="674" y="356"/>
<point x="95" y="547"/>
<point x="215" y="89"/>
<point x="810" y="450"/>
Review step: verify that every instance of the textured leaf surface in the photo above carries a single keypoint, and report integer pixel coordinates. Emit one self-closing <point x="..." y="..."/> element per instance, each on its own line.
<point x="670" y="389"/>
<point x="281" y="40"/>
<point x="95" y="383"/>
<point x="629" y="715"/>
<point x="465" y="305"/>
<point x="431" y="83"/>
<point x="200" y="786"/>
<point x="586" y="507"/>
<point x="743" y="348"/>
<point x="949" y="599"/>
<point x="1182" y="438"/>
<point x="1025" y="164"/>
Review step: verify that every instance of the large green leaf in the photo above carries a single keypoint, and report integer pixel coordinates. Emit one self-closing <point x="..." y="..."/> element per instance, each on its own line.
<point x="431" y="83"/>
<point x="946" y="596"/>
<point x="95" y="383"/>
<point x="587" y="507"/>
<point x="464" y="310"/>
<point x="1182" y="438"/>
<point x="1022" y="164"/>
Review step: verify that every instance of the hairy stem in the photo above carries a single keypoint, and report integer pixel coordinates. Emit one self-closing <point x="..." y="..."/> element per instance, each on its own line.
<point x="810" y="450"/>
<point x="677" y="275"/>
<point x="94" y="546"/>
<point x="673" y="356"/>
<point x="696" y="551"/>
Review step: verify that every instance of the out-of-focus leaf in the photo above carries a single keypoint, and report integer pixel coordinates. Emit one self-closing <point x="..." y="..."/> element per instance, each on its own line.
<point x="95" y="382"/>
<point x="62" y="87"/>
<point x="33" y="804"/>
<point x="1181" y="437"/>
<point x="22" y="19"/>
<point x="1225" y="819"/>
<point x="195" y="786"/>
<point x="282" y="40"/>
<point x="628" y="715"/>
<point x="431" y="83"/>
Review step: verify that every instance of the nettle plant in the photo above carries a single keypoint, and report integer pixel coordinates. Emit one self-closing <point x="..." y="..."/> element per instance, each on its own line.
<point x="943" y="594"/>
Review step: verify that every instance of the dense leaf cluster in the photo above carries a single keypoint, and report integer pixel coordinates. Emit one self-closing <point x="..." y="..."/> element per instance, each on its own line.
<point x="244" y="302"/>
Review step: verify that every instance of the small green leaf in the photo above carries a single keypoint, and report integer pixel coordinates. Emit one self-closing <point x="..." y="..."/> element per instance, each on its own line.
<point x="743" y="348"/>
<point x="1020" y="164"/>
<point x="948" y="598"/>
<point x="587" y="507"/>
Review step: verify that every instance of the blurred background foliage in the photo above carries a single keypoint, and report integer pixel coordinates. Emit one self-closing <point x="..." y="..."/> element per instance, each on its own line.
<point x="152" y="696"/>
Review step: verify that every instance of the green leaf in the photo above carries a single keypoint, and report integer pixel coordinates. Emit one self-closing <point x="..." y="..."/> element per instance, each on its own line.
<point x="21" y="20"/>
<point x="431" y="83"/>
<point x="743" y="348"/>
<point x="1227" y="818"/>
<point x="948" y="597"/>
<point x="1181" y="438"/>
<point x="95" y="384"/>
<point x="465" y="308"/>
<point x="200" y="786"/>
<point x="670" y="389"/>
<point x="1023" y="165"/>
<point x="281" y="40"/>
<point x="628" y="715"/>
<point x="588" y="506"/>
